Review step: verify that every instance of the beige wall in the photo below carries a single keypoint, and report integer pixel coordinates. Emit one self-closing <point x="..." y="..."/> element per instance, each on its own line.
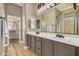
<point x="2" y="10"/>
<point x="30" y="12"/>
<point x="13" y="9"/>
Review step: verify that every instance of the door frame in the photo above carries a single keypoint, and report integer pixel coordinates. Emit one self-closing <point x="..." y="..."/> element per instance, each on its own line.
<point x="5" y="37"/>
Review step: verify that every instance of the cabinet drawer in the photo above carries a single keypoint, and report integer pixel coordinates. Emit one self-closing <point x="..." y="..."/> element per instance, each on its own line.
<point x="38" y="44"/>
<point x="32" y="37"/>
<point x="33" y="43"/>
<point x="38" y="39"/>
<point x="38" y="48"/>
<point x="77" y="52"/>
<point x="38" y="52"/>
<point x="28" y="41"/>
<point x="28" y="36"/>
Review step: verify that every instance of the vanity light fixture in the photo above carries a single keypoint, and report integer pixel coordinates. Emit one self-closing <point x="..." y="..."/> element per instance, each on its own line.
<point x="52" y="5"/>
<point x="44" y="8"/>
<point x="48" y="6"/>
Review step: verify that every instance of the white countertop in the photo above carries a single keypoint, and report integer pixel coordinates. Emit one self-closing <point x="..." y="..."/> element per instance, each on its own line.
<point x="68" y="39"/>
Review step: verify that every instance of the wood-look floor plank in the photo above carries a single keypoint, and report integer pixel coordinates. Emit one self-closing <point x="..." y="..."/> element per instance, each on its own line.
<point x="10" y="51"/>
<point x="17" y="49"/>
<point x="24" y="51"/>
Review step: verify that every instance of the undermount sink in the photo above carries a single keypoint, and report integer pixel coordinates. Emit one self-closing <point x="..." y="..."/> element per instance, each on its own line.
<point x="37" y="33"/>
<point x="60" y="36"/>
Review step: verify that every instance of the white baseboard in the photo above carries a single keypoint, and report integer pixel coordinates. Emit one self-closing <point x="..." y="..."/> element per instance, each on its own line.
<point x="3" y="53"/>
<point x="6" y="45"/>
<point x="21" y="41"/>
<point x="25" y="47"/>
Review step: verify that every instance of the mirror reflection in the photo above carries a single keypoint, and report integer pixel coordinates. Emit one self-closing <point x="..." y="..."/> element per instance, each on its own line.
<point x="55" y="20"/>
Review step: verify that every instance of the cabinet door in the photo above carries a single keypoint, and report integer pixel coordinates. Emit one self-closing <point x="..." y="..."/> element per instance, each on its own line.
<point x="46" y="47"/>
<point x="38" y="46"/>
<point x="26" y="39"/>
<point x="38" y="52"/>
<point x="33" y="43"/>
<point x="77" y="52"/>
<point x="64" y="50"/>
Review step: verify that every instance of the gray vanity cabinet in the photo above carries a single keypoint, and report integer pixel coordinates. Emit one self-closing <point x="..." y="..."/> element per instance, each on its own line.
<point x="28" y="40"/>
<point x="32" y="40"/>
<point x="64" y="50"/>
<point x="38" y="46"/>
<point x="46" y="47"/>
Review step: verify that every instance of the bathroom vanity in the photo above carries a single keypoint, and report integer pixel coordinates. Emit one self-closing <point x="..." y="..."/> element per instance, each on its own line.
<point x="52" y="22"/>
<point x="45" y="44"/>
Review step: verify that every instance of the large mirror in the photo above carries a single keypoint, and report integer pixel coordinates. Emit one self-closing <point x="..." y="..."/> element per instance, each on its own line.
<point x="34" y="24"/>
<point x="48" y="21"/>
<point x="59" y="21"/>
<point x="56" y="20"/>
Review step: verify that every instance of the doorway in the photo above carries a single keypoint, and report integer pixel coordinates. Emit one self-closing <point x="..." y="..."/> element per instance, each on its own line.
<point x="14" y="26"/>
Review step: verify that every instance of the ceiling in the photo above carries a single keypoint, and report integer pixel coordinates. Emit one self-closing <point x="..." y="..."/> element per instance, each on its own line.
<point x="19" y="4"/>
